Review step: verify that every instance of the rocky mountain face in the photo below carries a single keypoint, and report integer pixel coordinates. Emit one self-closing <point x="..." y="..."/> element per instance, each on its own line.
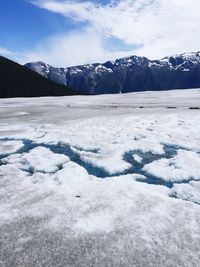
<point x="129" y="74"/>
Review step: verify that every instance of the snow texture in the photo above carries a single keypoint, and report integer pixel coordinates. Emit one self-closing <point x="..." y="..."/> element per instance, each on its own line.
<point x="184" y="166"/>
<point x="7" y="147"/>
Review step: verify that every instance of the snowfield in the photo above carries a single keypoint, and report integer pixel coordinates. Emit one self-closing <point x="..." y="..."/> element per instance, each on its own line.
<point x="111" y="180"/>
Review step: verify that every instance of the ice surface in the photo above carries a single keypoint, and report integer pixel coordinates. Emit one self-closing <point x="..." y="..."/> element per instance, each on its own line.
<point x="100" y="181"/>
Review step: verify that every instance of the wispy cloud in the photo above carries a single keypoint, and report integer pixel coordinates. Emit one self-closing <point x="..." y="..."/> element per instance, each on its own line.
<point x="74" y="48"/>
<point x="6" y="52"/>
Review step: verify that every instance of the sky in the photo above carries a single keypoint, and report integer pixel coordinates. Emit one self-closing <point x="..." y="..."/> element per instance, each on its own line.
<point x="72" y="32"/>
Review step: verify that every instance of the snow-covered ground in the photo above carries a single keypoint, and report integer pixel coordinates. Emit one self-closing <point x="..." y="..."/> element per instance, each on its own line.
<point x="111" y="180"/>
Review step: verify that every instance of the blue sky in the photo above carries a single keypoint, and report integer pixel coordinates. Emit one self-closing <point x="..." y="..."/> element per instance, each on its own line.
<point x="70" y="32"/>
<point x="22" y="25"/>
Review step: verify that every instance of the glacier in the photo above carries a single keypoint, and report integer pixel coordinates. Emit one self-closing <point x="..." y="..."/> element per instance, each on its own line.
<point x="109" y="180"/>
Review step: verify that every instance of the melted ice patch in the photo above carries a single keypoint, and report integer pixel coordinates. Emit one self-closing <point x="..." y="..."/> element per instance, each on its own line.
<point x="71" y="166"/>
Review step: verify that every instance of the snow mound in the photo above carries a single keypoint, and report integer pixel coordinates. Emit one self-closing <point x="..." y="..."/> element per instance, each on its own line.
<point x="184" y="166"/>
<point x="39" y="159"/>
<point x="7" y="147"/>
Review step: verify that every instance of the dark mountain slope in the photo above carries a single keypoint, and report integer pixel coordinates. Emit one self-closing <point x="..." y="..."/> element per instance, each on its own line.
<point x="18" y="81"/>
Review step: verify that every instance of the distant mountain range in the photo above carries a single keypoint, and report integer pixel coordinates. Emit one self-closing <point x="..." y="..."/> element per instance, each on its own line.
<point x="127" y="74"/>
<point x="18" y="81"/>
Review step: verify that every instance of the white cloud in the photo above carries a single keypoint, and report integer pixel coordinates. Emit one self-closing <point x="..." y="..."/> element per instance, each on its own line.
<point x="161" y="27"/>
<point x="158" y="27"/>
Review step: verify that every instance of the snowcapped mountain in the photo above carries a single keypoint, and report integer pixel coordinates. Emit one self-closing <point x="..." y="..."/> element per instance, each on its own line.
<point x="127" y="74"/>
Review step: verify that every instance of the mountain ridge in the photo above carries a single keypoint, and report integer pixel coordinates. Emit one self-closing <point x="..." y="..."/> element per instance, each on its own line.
<point x="128" y="74"/>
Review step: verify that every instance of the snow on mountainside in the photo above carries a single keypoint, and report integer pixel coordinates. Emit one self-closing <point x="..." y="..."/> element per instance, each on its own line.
<point x="127" y="74"/>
